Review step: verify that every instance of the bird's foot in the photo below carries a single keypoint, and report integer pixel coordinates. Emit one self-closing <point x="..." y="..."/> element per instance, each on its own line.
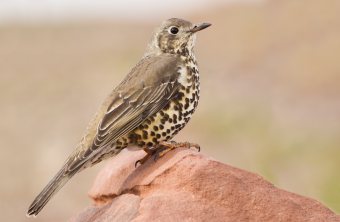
<point x="173" y="145"/>
<point x="149" y="152"/>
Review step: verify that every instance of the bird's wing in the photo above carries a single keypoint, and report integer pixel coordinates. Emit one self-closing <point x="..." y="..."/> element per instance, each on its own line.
<point x="145" y="91"/>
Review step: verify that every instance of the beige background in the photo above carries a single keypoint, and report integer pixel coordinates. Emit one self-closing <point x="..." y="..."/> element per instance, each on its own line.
<point x="270" y="96"/>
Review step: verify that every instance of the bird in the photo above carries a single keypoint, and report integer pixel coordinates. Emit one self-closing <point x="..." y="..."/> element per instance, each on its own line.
<point x="145" y="111"/>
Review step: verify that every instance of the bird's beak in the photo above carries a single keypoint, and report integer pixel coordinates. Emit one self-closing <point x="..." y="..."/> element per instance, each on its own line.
<point x="199" y="27"/>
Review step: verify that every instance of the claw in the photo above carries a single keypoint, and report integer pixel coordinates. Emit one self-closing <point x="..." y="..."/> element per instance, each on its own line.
<point x="160" y="151"/>
<point x="154" y="159"/>
<point x="137" y="163"/>
<point x="149" y="152"/>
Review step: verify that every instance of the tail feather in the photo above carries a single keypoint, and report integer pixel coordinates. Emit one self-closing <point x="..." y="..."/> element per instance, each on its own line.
<point x="69" y="169"/>
<point x="51" y="189"/>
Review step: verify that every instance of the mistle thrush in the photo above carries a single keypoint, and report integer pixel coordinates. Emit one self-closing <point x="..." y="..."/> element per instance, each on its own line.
<point x="147" y="109"/>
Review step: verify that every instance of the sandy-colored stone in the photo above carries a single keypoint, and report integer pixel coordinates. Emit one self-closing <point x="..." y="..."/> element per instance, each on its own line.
<point x="121" y="209"/>
<point x="185" y="185"/>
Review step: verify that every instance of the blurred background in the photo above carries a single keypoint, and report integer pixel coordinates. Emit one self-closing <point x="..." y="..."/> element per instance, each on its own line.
<point x="270" y="90"/>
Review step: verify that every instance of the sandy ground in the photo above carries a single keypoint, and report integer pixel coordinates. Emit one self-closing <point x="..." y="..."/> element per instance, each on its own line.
<point x="270" y="98"/>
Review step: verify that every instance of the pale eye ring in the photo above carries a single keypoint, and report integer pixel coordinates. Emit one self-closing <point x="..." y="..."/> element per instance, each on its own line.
<point x="174" y="30"/>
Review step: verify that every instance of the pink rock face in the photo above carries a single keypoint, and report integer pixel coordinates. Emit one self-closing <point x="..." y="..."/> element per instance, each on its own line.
<point x="185" y="185"/>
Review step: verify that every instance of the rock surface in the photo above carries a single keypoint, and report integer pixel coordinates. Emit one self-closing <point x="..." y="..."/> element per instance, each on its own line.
<point x="185" y="185"/>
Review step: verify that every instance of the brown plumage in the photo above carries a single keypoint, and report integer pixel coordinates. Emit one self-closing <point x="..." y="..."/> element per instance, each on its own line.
<point x="152" y="104"/>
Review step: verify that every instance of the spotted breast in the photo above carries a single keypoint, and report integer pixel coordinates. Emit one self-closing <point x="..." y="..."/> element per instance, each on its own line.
<point x="165" y="124"/>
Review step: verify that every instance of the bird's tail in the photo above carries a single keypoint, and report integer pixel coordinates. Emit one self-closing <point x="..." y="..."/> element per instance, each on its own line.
<point x="58" y="181"/>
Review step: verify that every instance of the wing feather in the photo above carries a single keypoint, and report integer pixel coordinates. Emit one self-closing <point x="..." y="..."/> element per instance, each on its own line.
<point x="130" y="107"/>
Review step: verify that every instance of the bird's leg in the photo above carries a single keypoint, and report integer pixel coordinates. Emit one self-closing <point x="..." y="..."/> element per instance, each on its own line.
<point x="173" y="145"/>
<point x="149" y="152"/>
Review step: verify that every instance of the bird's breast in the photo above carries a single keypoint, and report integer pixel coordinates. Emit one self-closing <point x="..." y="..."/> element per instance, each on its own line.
<point x="165" y="124"/>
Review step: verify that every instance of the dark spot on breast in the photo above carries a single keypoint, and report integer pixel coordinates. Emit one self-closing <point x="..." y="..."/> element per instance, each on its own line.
<point x="175" y="116"/>
<point x="170" y="120"/>
<point x="168" y="131"/>
<point x="186" y="107"/>
<point x="172" y="128"/>
<point x="193" y="70"/>
<point x="161" y="126"/>
<point x="146" y="126"/>
<point x="166" y="107"/>
<point x="148" y="122"/>
<point x="168" y="137"/>
<point x="154" y="139"/>
<point x="119" y="143"/>
<point x="161" y="112"/>
<point x="141" y="127"/>
<point x="142" y="143"/>
<point x="151" y="119"/>
<point x="166" y="116"/>
<point x="162" y="121"/>
<point x="164" y="134"/>
<point x="176" y="108"/>
<point x="152" y="133"/>
<point x="175" y="121"/>
<point x="155" y="128"/>
<point x="158" y="135"/>
<point x="149" y="144"/>
<point x="145" y="136"/>
<point x="187" y="90"/>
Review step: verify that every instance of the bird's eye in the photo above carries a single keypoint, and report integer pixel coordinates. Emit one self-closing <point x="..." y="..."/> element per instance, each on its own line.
<point x="174" y="30"/>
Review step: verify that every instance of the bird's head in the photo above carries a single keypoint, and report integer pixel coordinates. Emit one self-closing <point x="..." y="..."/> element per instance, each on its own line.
<point x="175" y="36"/>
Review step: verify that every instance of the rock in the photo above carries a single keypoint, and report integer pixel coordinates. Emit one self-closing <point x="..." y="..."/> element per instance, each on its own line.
<point x="185" y="185"/>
